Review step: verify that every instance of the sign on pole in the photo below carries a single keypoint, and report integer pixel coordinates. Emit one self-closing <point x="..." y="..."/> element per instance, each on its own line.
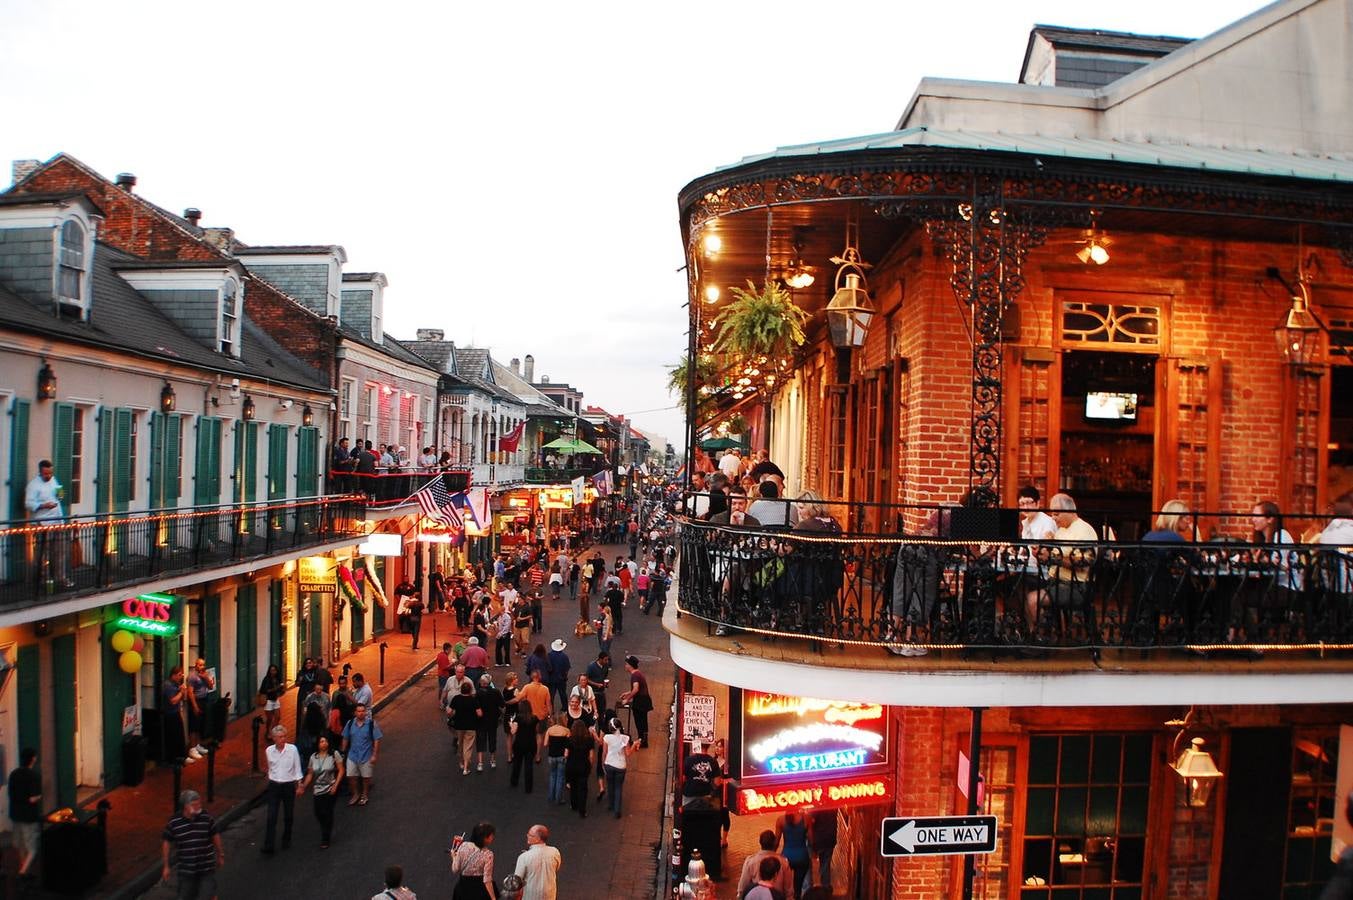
<point x="697" y="717"/>
<point x="938" y="835"/>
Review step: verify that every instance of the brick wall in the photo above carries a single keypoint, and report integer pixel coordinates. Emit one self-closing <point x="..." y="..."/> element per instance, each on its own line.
<point x="921" y="790"/>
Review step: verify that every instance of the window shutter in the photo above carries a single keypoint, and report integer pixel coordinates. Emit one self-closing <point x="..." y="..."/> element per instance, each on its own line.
<point x="103" y="486"/>
<point x="122" y="459"/>
<point x="157" y="421"/>
<point x="251" y="461"/>
<point x="63" y="442"/>
<point x="207" y="477"/>
<point x="277" y="462"/>
<point x="172" y="463"/>
<point x="307" y="444"/>
<point x="18" y="459"/>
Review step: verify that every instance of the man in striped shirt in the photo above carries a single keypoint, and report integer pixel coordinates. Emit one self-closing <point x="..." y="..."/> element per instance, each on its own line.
<point x="192" y="832"/>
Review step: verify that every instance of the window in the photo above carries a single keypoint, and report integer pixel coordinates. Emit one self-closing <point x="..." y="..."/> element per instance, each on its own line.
<point x="230" y="296"/>
<point x="1312" y="808"/>
<point x="71" y="274"/>
<point x="1086" y="816"/>
<point x="345" y="407"/>
<point x="77" y="455"/>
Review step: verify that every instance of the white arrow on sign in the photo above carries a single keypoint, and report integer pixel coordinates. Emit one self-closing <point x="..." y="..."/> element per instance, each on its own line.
<point x="909" y="837"/>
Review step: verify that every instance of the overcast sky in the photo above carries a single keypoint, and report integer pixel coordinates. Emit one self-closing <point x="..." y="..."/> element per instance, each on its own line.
<point x="511" y="167"/>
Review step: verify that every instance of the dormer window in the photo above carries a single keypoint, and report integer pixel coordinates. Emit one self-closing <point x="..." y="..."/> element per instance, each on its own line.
<point x="230" y="317"/>
<point x="70" y="283"/>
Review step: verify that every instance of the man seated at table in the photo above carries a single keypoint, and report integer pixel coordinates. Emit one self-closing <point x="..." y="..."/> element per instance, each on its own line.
<point x="1339" y="532"/>
<point x="1070" y="565"/>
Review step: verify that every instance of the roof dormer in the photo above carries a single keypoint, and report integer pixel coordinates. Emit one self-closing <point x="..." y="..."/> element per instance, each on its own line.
<point x="47" y="249"/>
<point x="312" y="274"/>
<point x="205" y="299"/>
<point x="363" y="304"/>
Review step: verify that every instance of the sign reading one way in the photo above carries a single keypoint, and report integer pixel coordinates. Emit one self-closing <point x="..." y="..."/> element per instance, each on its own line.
<point x="939" y="835"/>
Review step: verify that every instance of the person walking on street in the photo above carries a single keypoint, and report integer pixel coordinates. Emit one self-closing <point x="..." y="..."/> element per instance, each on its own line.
<point x="394" y="886"/>
<point x="538" y="866"/>
<point x="415" y="614"/>
<point x="490" y="701"/>
<point x="201" y="684"/>
<point x="25" y="808"/>
<point x="618" y="748"/>
<point x="792" y="829"/>
<point x="556" y="751"/>
<point x="822" y="841"/>
<point x="270" y="692"/>
<point x="502" y="638"/>
<point x="558" y="665"/>
<point x="326" y="774"/>
<point x="475" y="659"/>
<point x="361" y="691"/>
<point x="599" y="677"/>
<point x="525" y="727"/>
<point x="284" y="780"/>
<point x="445" y="661"/>
<point x="472" y="860"/>
<point x="192" y="833"/>
<point x="579" y="762"/>
<point x="361" y="745"/>
<point x="465" y="717"/>
<point x="639" y="699"/>
<point x="605" y="629"/>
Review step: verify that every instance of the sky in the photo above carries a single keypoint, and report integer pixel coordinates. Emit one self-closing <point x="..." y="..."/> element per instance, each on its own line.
<point x="512" y="168"/>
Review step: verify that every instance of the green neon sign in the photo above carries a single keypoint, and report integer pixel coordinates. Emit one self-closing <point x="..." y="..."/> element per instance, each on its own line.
<point x="149" y="614"/>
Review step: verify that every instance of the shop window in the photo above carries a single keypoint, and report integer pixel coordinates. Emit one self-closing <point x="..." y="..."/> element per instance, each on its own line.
<point x="1086" y="816"/>
<point x="1312" y="806"/>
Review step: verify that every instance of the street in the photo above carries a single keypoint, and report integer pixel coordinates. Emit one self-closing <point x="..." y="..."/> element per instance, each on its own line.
<point x="420" y="799"/>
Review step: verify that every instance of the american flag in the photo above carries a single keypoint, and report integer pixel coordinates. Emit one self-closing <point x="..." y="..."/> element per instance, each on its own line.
<point x="436" y="503"/>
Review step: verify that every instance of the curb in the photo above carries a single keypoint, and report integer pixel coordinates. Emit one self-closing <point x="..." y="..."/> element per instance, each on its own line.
<point x="151" y="876"/>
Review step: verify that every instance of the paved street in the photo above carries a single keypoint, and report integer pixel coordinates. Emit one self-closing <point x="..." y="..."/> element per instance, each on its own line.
<point x="421" y="800"/>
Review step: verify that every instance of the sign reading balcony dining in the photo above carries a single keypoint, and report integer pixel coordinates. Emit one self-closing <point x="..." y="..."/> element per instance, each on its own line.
<point x="148" y="614"/>
<point x="829" y="794"/>
<point x="800" y="737"/>
<point x="317" y="574"/>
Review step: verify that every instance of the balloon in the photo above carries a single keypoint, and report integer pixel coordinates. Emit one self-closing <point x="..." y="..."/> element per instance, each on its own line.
<point x="130" y="662"/>
<point x="139" y="644"/>
<point x="122" y="641"/>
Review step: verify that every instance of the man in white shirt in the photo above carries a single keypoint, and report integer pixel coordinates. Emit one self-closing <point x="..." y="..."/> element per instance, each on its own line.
<point x="284" y="784"/>
<point x="586" y="696"/>
<point x="43" y="498"/>
<point x="1069" y="567"/>
<point x="427" y="459"/>
<point x="539" y="865"/>
<point x="731" y="464"/>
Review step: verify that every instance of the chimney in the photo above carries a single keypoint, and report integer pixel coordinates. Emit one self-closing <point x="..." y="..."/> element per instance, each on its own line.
<point x="193" y="215"/>
<point x="22" y="168"/>
<point x="516" y="367"/>
<point x="530" y="373"/>
<point x="431" y="334"/>
<point x="222" y="239"/>
<point x="544" y="379"/>
<point x="126" y="181"/>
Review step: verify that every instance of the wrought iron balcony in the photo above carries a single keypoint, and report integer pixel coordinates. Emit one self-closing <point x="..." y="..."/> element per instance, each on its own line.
<point x="387" y="488"/>
<point x="89" y="554"/>
<point x="909" y="592"/>
<point x="546" y="475"/>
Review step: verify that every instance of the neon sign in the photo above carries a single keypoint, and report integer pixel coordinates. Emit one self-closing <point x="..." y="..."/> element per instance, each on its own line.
<point x="149" y="614"/>
<point x="784" y="736"/>
<point x="819" y="794"/>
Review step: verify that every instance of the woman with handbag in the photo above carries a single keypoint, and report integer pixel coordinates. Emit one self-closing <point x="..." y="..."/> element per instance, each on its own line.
<point x="472" y="860"/>
<point x="326" y="774"/>
<point x="270" y="697"/>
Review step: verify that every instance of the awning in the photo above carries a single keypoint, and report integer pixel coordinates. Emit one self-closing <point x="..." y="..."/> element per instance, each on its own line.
<point x="571" y="445"/>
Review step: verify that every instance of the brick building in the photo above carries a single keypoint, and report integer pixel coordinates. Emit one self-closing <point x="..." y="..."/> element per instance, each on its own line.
<point x="1097" y="282"/>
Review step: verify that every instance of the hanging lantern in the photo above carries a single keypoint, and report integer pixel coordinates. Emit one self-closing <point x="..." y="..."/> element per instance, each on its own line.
<point x="850" y="310"/>
<point x="1298" y="332"/>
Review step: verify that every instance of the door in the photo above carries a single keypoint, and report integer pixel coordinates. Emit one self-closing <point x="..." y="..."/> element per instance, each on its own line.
<point x="211" y="634"/>
<point x="1256" y="824"/>
<point x="63" y="717"/>
<point x="246" y="648"/>
<point x="1305" y="434"/>
<point x="30" y="697"/>
<point x="1033" y="421"/>
<point x="276" y="631"/>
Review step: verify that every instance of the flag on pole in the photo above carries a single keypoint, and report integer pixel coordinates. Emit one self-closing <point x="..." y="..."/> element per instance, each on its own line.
<point x="680" y="473"/>
<point x="509" y="442"/>
<point x="578" y="484"/>
<point x="436" y="503"/>
<point x="602" y="482"/>
<point x="474" y="507"/>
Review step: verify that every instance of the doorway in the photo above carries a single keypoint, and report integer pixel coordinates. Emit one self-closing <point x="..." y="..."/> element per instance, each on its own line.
<point x="1108" y="431"/>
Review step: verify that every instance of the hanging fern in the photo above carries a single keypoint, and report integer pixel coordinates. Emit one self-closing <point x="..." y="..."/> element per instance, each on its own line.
<point x="706" y="375"/>
<point x="762" y="322"/>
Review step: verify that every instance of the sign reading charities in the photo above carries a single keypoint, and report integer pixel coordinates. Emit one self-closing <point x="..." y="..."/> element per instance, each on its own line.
<point x="787" y="737"/>
<point x="938" y="835"/>
<point x="317" y="574"/>
<point x="697" y="717"/>
<point x="149" y="614"/>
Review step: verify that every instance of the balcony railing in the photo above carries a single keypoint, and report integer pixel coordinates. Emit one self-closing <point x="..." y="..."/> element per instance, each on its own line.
<point x="546" y="475"/>
<point x="911" y="592"/>
<point x="88" y="554"/>
<point x="389" y="488"/>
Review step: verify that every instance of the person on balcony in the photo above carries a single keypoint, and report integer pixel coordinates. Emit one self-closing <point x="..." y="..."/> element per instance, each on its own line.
<point x="762" y="466"/>
<point x="366" y="469"/>
<point x="768" y="507"/>
<point x="730" y="464"/>
<point x="1339" y="532"/>
<point x="341" y="466"/>
<point x="43" y="498"/>
<point x="1069" y="576"/>
<point x="1034" y="524"/>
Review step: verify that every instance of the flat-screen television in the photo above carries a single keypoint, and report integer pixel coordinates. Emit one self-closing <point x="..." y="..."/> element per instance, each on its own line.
<point x="1111" y="405"/>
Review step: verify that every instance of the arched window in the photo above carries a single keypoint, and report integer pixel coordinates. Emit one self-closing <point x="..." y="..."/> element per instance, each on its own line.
<point x="71" y="276"/>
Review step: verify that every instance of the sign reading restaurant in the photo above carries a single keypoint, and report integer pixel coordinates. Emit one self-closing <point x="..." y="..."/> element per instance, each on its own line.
<point x="799" y="737"/>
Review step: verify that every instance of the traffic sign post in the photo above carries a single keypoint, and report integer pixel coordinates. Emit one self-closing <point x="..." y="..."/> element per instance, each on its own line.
<point x="938" y="835"/>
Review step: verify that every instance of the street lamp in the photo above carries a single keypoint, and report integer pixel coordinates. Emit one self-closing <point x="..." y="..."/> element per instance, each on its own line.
<point x="1199" y="772"/>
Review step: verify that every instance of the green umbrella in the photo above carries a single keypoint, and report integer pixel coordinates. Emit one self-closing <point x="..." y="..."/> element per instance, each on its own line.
<point x="722" y="443"/>
<point x="571" y="445"/>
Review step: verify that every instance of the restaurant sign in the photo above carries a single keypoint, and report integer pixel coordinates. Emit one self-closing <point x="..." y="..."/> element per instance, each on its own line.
<point x="149" y="614"/>
<point x="828" y="794"/>
<point x="799" y="737"/>
<point x="556" y="498"/>
<point x="317" y="574"/>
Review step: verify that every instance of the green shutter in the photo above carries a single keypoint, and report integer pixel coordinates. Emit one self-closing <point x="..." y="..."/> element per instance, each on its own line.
<point x="378" y="611"/>
<point x="30" y="698"/>
<point x="157" y="421"/>
<point x="251" y="462"/>
<point x="275" y="631"/>
<point x="211" y="635"/>
<point x="246" y="648"/>
<point x="63" y="443"/>
<point x="103" y="481"/>
<point x="63" y="716"/>
<point x="307" y="462"/>
<point x="277" y="462"/>
<point x="18" y="483"/>
<point x="122" y="459"/>
<point x="207" y="471"/>
<point x="119" y="692"/>
<point x="173" y="466"/>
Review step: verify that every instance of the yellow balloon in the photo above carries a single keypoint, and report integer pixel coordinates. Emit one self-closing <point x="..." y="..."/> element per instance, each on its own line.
<point x="130" y="662"/>
<point x="122" y="641"/>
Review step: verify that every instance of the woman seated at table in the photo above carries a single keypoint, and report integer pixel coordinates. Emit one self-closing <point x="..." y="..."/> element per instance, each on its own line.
<point x="1173" y="524"/>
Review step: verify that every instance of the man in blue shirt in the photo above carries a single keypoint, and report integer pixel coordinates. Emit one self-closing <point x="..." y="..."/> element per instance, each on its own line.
<point x="361" y="745"/>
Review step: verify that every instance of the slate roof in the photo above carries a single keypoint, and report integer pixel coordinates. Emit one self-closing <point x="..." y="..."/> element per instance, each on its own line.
<point x="470" y="363"/>
<point x="257" y="249"/>
<point x="441" y="354"/>
<point x="537" y="404"/>
<point x="390" y="347"/>
<point x="1115" y="41"/>
<point x="124" y="320"/>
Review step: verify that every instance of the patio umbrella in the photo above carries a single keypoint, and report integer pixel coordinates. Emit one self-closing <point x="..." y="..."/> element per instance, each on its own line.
<point x="722" y="443"/>
<point x="571" y="445"/>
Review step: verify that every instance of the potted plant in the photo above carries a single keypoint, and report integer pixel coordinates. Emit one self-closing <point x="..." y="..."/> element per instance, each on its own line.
<point x="761" y="322"/>
<point x="706" y="374"/>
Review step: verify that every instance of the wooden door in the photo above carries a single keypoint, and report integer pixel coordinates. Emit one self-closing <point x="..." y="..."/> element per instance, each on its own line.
<point x="1305" y="433"/>
<point x="1033" y="421"/>
<point x="1188" y="433"/>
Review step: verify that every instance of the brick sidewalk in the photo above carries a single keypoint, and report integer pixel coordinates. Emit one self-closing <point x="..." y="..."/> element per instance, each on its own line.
<point x="139" y="813"/>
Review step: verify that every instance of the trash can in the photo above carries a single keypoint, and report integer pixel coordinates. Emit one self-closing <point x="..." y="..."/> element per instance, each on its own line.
<point x="133" y="760"/>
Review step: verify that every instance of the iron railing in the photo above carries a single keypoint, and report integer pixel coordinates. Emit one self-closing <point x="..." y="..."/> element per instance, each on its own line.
<point x="547" y="475"/>
<point x="392" y="487"/>
<point x="917" y="591"/>
<point x="88" y="554"/>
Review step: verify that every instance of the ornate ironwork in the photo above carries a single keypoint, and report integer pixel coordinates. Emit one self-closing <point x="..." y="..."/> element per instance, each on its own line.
<point x="1112" y="323"/>
<point x="934" y="592"/>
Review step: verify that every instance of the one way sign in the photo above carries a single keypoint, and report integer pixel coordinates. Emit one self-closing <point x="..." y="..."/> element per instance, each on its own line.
<point x="938" y="836"/>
